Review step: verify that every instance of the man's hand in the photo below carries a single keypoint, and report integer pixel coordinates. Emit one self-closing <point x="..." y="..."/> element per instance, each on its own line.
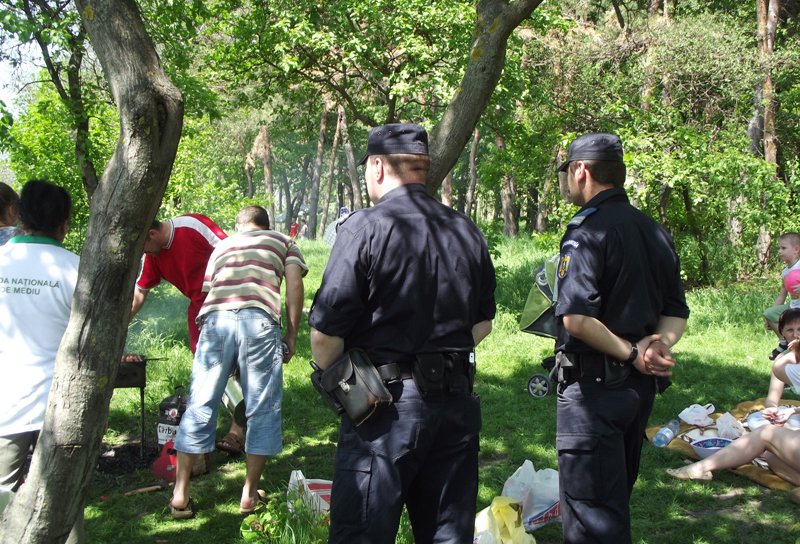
<point x="655" y="358"/>
<point x="291" y="344"/>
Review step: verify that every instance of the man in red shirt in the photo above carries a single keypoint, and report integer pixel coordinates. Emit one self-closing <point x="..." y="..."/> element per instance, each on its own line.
<point x="177" y="250"/>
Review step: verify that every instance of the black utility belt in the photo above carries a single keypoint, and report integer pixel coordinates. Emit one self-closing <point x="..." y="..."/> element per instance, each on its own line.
<point x="592" y="366"/>
<point x="354" y="385"/>
<point x="435" y="374"/>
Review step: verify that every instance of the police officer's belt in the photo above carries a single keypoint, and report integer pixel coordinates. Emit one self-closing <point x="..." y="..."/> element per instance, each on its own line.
<point x="589" y="365"/>
<point x="393" y="372"/>
<point x="434" y="374"/>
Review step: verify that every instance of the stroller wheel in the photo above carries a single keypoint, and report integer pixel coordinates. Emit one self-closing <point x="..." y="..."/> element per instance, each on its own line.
<point x="539" y="386"/>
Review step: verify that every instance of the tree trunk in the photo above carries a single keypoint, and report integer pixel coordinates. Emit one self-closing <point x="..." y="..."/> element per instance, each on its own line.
<point x="767" y="12"/>
<point x="655" y="7"/>
<point x="122" y="207"/>
<point x="289" y="214"/>
<point x="249" y="162"/>
<point x="262" y="150"/>
<point x="469" y="205"/>
<point x="331" y="176"/>
<point x="447" y="190"/>
<point x="313" y="198"/>
<point x="508" y="197"/>
<point x="358" y="197"/>
<point x="496" y="19"/>
<point x="618" y="14"/>
<point x="542" y="215"/>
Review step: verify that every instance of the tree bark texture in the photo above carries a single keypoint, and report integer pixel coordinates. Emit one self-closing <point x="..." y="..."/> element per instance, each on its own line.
<point x="508" y="198"/>
<point x="122" y="207"/>
<point x="447" y="190"/>
<point x="469" y="204"/>
<point x="262" y="150"/>
<point x="767" y="12"/>
<point x="496" y="19"/>
<point x="316" y="176"/>
<point x="352" y="171"/>
<point x="331" y="176"/>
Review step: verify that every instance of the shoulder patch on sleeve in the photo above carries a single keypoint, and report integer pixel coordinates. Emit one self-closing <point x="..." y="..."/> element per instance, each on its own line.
<point x="578" y="219"/>
<point x="563" y="265"/>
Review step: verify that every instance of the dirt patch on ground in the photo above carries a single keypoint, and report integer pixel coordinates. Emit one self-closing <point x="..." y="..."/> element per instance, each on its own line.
<point x="125" y="458"/>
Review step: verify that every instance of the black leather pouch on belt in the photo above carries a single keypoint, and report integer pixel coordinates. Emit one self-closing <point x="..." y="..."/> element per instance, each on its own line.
<point x="616" y="372"/>
<point x="330" y="400"/>
<point x="443" y="373"/>
<point x="353" y="381"/>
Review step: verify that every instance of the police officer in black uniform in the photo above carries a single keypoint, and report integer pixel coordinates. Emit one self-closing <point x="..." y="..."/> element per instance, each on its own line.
<point x="409" y="281"/>
<point x="620" y="308"/>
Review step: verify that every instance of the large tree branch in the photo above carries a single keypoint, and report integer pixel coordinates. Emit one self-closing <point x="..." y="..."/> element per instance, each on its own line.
<point x="496" y="19"/>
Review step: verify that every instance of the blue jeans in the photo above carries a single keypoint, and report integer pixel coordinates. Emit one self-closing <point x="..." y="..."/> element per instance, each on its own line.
<point x="251" y="339"/>
<point x="419" y="452"/>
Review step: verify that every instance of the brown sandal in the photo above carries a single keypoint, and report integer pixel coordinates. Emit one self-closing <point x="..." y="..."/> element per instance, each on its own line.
<point x="231" y="444"/>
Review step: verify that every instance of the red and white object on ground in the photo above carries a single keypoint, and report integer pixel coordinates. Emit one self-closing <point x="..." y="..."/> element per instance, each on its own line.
<point x="314" y="492"/>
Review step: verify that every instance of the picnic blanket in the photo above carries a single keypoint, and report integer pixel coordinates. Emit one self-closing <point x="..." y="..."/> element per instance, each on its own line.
<point x="765" y="477"/>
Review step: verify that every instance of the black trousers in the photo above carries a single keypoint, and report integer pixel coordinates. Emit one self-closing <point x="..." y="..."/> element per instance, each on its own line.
<point x="599" y="440"/>
<point x="419" y="452"/>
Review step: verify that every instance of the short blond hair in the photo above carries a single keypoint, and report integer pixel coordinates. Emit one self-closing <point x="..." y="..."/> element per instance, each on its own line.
<point x="791" y="237"/>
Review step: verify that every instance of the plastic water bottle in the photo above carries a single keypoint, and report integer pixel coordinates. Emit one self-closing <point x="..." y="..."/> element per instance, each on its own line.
<point x="665" y="435"/>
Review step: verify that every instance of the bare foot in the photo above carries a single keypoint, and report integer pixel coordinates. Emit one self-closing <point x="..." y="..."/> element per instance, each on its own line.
<point x="795" y="495"/>
<point x="689" y="472"/>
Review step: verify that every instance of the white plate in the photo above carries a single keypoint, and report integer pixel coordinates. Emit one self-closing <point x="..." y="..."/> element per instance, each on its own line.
<point x="757" y="419"/>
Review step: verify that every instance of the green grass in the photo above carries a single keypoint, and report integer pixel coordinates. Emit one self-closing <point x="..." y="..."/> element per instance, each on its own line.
<point x="722" y="360"/>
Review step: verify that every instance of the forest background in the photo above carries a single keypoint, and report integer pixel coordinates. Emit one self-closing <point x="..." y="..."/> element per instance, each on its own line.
<point x="276" y="98"/>
<point x="279" y="96"/>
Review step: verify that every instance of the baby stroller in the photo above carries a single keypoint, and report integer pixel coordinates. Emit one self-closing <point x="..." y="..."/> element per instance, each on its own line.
<point x="538" y="317"/>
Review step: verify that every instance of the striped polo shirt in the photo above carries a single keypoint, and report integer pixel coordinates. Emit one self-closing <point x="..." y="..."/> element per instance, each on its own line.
<point x="245" y="271"/>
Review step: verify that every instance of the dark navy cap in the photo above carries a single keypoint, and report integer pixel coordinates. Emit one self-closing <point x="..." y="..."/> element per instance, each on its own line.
<point x="396" y="138"/>
<point x="598" y="146"/>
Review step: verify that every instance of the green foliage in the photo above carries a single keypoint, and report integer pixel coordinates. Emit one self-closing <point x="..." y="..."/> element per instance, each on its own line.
<point x="40" y="146"/>
<point x="276" y="523"/>
<point x="349" y="49"/>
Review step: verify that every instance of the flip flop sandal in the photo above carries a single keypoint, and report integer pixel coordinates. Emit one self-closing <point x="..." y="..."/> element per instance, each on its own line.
<point x="187" y="512"/>
<point x="261" y="497"/>
<point x="231" y="444"/>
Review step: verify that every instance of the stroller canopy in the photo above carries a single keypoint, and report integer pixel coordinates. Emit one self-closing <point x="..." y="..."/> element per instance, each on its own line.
<point x="538" y="315"/>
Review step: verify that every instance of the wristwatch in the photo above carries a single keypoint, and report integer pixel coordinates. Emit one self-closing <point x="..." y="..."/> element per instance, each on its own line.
<point x="634" y="353"/>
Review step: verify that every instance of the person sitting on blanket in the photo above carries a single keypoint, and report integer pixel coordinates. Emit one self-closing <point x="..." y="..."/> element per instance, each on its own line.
<point x="779" y="444"/>
<point x="785" y="370"/>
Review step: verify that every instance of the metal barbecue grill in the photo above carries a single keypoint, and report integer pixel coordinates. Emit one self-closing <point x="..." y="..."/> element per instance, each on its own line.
<point x="132" y="372"/>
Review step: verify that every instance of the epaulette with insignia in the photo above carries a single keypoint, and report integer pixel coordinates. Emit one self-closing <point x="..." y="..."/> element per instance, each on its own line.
<point x="346" y="217"/>
<point x="578" y="219"/>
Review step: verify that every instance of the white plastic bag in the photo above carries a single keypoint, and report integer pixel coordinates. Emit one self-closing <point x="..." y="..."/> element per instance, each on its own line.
<point x="316" y="494"/>
<point x="698" y="415"/>
<point x="538" y="492"/>
<point x="729" y="427"/>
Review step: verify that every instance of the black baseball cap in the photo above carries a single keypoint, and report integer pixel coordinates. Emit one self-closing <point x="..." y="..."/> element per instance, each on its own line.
<point x="598" y="146"/>
<point x="396" y="138"/>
